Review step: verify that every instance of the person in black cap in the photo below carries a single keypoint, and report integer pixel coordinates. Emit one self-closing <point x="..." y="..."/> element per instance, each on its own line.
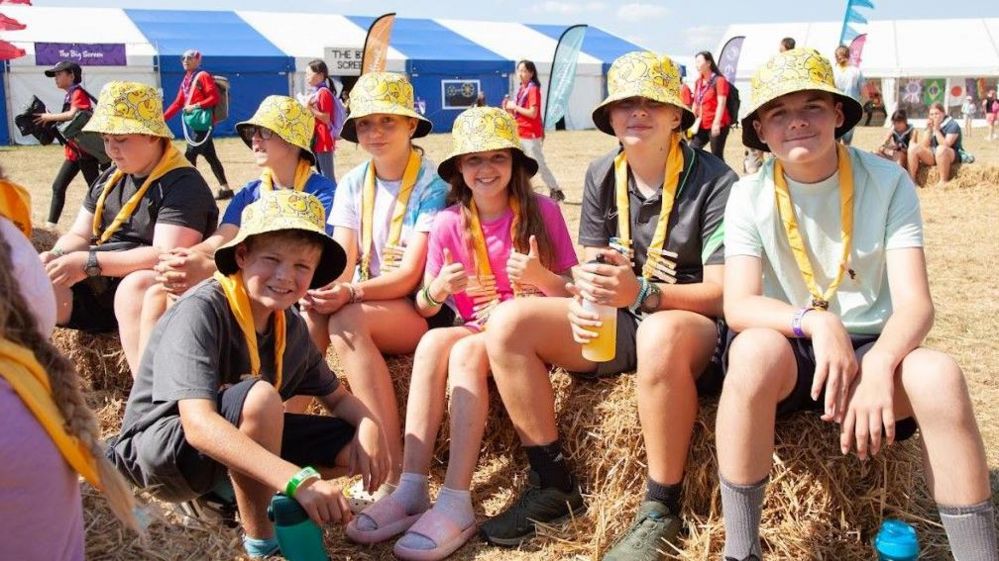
<point x="68" y="76"/>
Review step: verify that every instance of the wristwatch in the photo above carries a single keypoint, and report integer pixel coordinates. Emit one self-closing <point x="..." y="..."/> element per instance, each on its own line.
<point x="650" y="303"/>
<point x="92" y="268"/>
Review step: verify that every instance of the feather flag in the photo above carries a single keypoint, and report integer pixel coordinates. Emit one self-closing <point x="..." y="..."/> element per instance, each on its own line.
<point x="376" y="44"/>
<point x="10" y="24"/>
<point x="563" y="74"/>
<point x="852" y="18"/>
<point x="728" y="61"/>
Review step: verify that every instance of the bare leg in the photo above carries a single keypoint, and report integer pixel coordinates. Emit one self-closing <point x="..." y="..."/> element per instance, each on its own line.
<point x="360" y="333"/>
<point x="427" y="389"/>
<point x="524" y="336"/>
<point x="469" y="373"/>
<point x="262" y="420"/>
<point x="762" y="371"/>
<point x="944" y="157"/>
<point x="674" y="348"/>
<point x="154" y="304"/>
<point x="128" y="302"/>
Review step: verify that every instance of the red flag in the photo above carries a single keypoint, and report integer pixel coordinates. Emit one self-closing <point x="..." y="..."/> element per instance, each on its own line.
<point x="8" y="51"/>
<point x="376" y="44"/>
<point x="25" y="2"/>
<point x="10" y="24"/>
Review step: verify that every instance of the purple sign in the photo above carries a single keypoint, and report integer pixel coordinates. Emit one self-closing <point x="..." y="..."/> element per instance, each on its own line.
<point x="84" y="54"/>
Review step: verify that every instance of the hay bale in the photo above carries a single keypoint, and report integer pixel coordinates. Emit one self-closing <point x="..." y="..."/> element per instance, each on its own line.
<point x="99" y="358"/>
<point x="962" y="175"/>
<point x="43" y="239"/>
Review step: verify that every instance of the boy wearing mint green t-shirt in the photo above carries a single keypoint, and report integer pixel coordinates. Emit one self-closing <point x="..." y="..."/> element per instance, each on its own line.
<point x="827" y="296"/>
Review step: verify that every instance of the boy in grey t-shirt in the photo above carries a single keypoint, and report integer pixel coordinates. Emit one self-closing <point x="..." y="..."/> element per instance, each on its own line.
<point x="207" y="400"/>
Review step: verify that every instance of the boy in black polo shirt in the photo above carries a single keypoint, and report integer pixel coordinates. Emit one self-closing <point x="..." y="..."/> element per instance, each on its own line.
<point x="660" y="202"/>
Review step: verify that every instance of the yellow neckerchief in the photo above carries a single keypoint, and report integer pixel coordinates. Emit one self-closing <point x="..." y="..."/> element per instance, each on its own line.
<point x="368" y="209"/>
<point x="785" y="209"/>
<point x="15" y="205"/>
<point x="482" y="266"/>
<point x="29" y="380"/>
<point x="239" y="303"/>
<point x="671" y="186"/>
<point x="172" y="159"/>
<point x="302" y="174"/>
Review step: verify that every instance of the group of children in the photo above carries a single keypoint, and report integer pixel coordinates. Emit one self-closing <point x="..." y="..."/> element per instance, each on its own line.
<point x="801" y="287"/>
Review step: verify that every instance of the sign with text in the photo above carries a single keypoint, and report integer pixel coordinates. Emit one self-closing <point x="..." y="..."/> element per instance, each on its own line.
<point x="84" y="54"/>
<point x="343" y="61"/>
<point x="460" y="94"/>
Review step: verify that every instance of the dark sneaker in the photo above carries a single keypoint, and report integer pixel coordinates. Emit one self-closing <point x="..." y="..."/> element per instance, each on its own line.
<point x="646" y="539"/>
<point x="556" y="195"/>
<point x="223" y="194"/>
<point x="547" y="505"/>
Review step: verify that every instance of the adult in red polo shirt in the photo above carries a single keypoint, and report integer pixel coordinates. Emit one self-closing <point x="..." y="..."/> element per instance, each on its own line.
<point x="198" y="91"/>
<point x="68" y="76"/>
<point x="710" y="94"/>
<point x="526" y="109"/>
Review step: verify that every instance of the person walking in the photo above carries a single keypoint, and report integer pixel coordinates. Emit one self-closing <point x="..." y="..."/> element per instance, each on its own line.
<point x="526" y="109"/>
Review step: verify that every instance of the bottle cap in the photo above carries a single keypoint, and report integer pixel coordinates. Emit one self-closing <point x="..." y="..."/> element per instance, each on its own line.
<point x="897" y="540"/>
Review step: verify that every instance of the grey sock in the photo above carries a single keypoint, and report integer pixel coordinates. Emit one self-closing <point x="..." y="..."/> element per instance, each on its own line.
<point x="742" y="506"/>
<point x="971" y="531"/>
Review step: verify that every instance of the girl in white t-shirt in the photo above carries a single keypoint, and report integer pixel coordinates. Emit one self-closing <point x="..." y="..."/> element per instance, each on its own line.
<point x="382" y="214"/>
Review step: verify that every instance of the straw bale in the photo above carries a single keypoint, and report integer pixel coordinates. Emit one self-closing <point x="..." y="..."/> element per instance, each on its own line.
<point x="962" y="175"/>
<point x="99" y="358"/>
<point x="43" y="239"/>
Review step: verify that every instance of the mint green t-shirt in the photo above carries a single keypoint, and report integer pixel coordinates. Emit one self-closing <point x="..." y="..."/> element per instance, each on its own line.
<point x="885" y="217"/>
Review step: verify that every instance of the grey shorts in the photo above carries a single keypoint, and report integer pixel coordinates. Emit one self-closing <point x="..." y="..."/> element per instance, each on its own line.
<point x="626" y="355"/>
<point x="160" y="459"/>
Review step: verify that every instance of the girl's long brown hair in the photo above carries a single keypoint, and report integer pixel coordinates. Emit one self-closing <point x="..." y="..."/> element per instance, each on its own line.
<point x="531" y="222"/>
<point x="18" y="325"/>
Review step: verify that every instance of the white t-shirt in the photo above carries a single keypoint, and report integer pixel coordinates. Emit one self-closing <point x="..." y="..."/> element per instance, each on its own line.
<point x="848" y="80"/>
<point x="428" y="197"/>
<point x="886" y="216"/>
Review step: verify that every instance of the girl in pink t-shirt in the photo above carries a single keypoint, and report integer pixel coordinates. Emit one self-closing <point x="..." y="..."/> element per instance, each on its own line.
<point x="498" y="240"/>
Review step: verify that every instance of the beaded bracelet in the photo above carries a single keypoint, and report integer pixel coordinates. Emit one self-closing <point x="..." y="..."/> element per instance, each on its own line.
<point x="307" y="473"/>
<point x="797" y="320"/>
<point x="643" y="291"/>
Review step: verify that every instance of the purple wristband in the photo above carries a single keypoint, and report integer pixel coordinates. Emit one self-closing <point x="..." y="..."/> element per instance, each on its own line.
<point x="799" y="316"/>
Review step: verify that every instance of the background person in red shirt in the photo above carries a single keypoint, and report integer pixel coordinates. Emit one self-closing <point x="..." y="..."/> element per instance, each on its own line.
<point x="198" y="91"/>
<point x="526" y="109"/>
<point x="321" y="103"/>
<point x="710" y="94"/>
<point x="68" y="76"/>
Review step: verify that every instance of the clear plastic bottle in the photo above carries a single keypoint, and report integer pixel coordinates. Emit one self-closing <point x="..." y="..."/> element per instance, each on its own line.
<point x="603" y="348"/>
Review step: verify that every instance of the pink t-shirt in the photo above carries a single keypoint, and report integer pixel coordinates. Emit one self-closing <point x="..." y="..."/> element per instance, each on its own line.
<point x="448" y="232"/>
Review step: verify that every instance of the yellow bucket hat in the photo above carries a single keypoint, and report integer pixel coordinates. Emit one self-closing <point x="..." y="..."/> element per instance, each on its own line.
<point x="481" y="129"/>
<point x="129" y="108"/>
<point x="287" y="118"/>
<point x="642" y="74"/>
<point x="382" y="93"/>
<point x="285" y="209"/>
<point x="789" y="72"/>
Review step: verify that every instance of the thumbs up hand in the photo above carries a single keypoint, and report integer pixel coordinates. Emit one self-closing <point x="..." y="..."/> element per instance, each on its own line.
<point x="526" y="268"/>
<point x="452" y="278"/>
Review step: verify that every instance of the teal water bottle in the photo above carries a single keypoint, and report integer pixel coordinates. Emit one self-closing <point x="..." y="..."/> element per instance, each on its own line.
<point x="896" y="541"/>
<point x="299" y="537"/>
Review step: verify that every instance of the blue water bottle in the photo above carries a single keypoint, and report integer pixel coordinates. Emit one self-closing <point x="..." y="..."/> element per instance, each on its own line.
<point x="299" y="537"/>
<point x="896" y="541"/>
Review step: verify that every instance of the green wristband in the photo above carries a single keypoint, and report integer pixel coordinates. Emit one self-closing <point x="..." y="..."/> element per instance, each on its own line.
<point x="307" y="473"/>
<point x="430" y="299"/>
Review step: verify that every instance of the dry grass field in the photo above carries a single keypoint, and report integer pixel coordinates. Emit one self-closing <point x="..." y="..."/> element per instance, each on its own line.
<point x="962" y="256"/>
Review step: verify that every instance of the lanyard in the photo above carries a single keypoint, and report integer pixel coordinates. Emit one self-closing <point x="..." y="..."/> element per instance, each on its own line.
<point x="409" y="177"/>
<point x="239" y="303"/>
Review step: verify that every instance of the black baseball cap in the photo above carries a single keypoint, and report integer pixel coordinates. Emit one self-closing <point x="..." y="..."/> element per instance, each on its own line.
<point x="62" y="66"/>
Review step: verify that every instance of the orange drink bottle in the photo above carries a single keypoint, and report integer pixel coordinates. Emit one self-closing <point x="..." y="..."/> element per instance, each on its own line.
<point x="604" y="346"/>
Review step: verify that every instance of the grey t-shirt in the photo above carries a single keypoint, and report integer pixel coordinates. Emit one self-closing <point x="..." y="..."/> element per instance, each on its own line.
<point x="180" y="197"/>
<point x="696" y="228"/>
<point x="197" y="347"/>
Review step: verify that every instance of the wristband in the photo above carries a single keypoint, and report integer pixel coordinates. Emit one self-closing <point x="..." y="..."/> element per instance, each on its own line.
<point x="797" y="320"/>
<point x="430" y="299"/>
<point x="307" y="473"/>
<point x="643" y="291"/>
<point x="356" y="294"/>
<point x="57" y="251"/>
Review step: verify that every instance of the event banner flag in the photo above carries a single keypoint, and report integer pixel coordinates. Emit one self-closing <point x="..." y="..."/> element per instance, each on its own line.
<point x="376" y="44"/>
<point x="852" y="18"/>
<point x="857" y="49"/>
<point x="563" y="74"/>
<point x="728" y="61"/>
<point x="84" y="54"/>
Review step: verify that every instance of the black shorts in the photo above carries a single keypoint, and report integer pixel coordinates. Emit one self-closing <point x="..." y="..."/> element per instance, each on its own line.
<point x="800" y="398"/>
<point x="93" y="305"/>
<point x="626" y="355"/>
<point x="175" y="471"/>
<point x="443" y="318"/>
